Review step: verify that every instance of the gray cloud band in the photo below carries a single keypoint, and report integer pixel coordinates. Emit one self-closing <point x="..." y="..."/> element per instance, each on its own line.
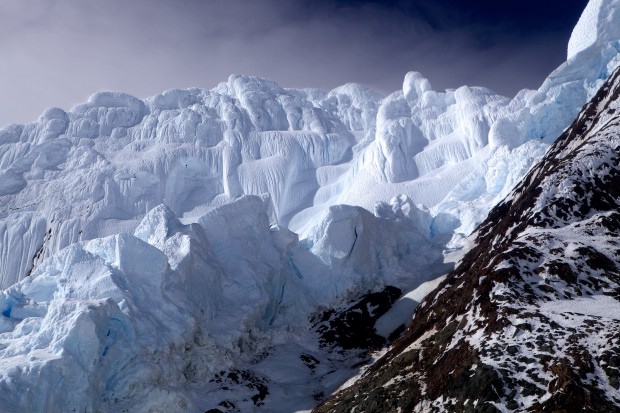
<point x="57" y="53"/>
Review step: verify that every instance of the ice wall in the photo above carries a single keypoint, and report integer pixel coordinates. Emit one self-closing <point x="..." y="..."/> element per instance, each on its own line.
<point x="144" y="322"/>
<point x="97" y="169"/>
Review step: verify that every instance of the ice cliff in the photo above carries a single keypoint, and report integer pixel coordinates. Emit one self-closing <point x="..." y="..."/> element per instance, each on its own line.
<point x="147" y="245"/>
<point x="144" y="322"/>
<point x="97" y="169"/>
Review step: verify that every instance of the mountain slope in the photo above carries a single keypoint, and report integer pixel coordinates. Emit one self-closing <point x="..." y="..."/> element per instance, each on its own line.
<point x="530" y="319"/>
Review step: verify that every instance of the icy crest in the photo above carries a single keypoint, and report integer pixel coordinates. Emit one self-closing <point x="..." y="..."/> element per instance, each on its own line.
<point x="596" y="26"/>
<point x="585" y="33"/>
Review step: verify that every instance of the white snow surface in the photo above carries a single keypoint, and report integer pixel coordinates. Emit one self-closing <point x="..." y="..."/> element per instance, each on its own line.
<point x="147" y="245"/>
<point x="595" y="26"/>
<point x="403" y="309"/>
<point x="585" y="33"/>
<point x="596" y="305"/>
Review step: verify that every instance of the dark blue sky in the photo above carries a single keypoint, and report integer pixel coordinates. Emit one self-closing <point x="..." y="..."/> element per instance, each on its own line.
<point x="528" y="17"/>
<point x="58" y="52"/>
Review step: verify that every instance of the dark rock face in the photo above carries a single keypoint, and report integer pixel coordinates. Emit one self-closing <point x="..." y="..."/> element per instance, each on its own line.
<point x="255" y="387"/>
<point x="354" y="326"/>
<point x="346" y="333"/>
<point x="530" y="319"/>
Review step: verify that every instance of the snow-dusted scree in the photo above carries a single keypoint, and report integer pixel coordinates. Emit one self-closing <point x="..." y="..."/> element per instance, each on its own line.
<point x="184" y="252"/>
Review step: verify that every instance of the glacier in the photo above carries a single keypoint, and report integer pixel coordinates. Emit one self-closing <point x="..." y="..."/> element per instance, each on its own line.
<point x="143" y="322"/>
<point x="149" y="245"/>
<point x="99" y="168"/>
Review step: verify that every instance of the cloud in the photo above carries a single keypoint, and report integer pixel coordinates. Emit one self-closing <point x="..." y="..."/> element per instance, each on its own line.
<point x="58" y="52"/>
